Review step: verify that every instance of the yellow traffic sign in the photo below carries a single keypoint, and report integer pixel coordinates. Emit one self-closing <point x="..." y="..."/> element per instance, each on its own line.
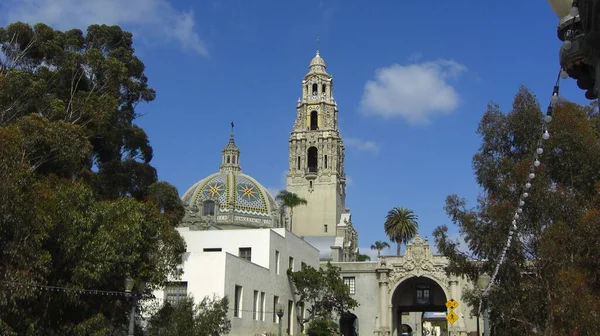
<point x="452" y="304"/>
<point x="452" y="317"/>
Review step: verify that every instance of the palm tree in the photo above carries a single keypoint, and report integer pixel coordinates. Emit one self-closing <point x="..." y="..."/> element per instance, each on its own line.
<point x="378" y="246"/>
<point x="290" y="201"/>
<point x="401" y="225"/>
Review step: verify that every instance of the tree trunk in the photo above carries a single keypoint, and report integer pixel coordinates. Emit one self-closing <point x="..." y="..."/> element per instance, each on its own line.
<point x="398" y="246"/>
<point x="291" y="217"/>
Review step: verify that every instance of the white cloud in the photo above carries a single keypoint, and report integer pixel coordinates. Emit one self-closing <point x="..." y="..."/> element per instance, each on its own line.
<point x="152" y="19"/>
<point x="362" y="145"/>
<point x="415" y="92"/>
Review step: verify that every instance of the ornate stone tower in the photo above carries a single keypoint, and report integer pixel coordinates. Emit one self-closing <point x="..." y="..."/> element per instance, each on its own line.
<point x="316" y="156"/>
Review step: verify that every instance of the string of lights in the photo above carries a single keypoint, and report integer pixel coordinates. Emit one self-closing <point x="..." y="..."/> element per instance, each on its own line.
<point x="148" y="297"/>
<point x="535" y="163"/>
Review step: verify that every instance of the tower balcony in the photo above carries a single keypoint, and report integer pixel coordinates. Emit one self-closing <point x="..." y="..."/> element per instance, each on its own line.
<point x="311" y="173"/>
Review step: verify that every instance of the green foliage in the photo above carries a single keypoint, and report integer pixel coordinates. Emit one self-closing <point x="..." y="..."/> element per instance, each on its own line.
<point x="378" y="246"/>
<point x="555" y="256"/>
<point x="289" y="200"/>
<point x="323" y="290"/>
<point x="363" y="257"/>
<point x="321" y="327"/>
<point x="66" y="105"/>
<point x="401" y="226"/>
<point x="208" y="318"/>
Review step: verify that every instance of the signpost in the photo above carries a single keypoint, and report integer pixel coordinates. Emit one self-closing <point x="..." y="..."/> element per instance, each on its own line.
<point x="452" y="317"/>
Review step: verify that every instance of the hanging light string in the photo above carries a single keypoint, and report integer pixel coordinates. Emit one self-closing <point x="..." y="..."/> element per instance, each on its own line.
<point x="69" y="290"/>
<point x="535" y="163"/>
<point x="149" y="297"/>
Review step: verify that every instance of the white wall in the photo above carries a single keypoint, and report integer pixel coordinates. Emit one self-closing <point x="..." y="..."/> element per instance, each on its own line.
<point x="209" y="273"/>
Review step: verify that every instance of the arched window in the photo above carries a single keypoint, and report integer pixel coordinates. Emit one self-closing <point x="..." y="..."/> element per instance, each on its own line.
<point x="325" y="162"/>
<point x="315" y="87"/>
<point x="312" y="156"/>
<point x="314" y="120"/>
<point x="208" y="208"/>
<point x="228" y="159"/>
<point x="324" y="88"/>
<point x="299" y="158"/>
<point x="233" y="159"/>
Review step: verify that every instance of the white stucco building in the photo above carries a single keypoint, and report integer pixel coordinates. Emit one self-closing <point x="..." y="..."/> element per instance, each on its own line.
<point x="249" y="267"/>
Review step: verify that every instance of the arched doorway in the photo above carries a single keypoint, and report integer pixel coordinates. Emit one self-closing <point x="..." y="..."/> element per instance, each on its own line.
<point x="349" y="325"/>
<point x="414" y="300"/>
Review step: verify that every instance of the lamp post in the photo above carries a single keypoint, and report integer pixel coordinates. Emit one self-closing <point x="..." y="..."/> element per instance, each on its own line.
<point x="579" y="29"/>
<point x="483" y="282"/>
<point x="280" y="315"/>
<point x="129" y="282"/>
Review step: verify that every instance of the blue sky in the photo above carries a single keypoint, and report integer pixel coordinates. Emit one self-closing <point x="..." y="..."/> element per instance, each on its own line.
<point x="412" y="81"/>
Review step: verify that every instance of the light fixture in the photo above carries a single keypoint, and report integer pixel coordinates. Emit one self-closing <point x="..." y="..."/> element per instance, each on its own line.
<point x="483" y="281"/>
<point x="561" y="7"/>
<point x="129" y="282"/>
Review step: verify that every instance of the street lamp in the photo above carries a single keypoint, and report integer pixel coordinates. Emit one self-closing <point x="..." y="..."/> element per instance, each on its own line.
<point x="483" y="282"/>
<point x="129" y="282"/>
<point x="579" y="29"/>
<point x="280" y="315"/>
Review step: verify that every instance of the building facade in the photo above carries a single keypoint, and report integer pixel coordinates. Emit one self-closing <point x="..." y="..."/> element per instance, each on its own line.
<point x="316" y="169"/>
<point x="249" y="266"/>
<point x="407" y="293"/>
<point x="240" y="242"/>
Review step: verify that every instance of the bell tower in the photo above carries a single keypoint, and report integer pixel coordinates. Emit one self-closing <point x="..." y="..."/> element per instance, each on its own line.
<point x="316" y="156"/>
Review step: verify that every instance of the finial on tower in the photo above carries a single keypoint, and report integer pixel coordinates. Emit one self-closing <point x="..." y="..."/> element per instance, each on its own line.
<point x="231" y="134"/>
<point x="317" y="44"/>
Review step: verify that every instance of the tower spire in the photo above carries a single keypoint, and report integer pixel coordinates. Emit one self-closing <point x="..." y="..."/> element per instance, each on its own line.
<point x="318" y="45"/>
<point x="231" y="155"/>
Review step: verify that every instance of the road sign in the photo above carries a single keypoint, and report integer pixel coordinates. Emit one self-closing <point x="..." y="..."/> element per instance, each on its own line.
<point x="452" y="304"/>
<point x="452" y="317"/>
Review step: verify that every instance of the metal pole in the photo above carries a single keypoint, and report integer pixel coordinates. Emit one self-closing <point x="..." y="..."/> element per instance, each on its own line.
<point x="598" y="80"/>
<point x="486" y="317"/>
<point x="280" y="325"/>
<point x="132" y="319"/>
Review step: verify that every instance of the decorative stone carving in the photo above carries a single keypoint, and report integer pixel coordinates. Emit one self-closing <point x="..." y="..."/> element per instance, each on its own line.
<point x="418" y="261"/>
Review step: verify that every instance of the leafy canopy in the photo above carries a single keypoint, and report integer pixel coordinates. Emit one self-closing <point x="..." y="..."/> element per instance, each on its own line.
<point x="401" y="225"/>
<point x="555" y="257"/>
<point x="80" y="205"/>
<point x="207" y="318"/>
<point x="323" y="290"/>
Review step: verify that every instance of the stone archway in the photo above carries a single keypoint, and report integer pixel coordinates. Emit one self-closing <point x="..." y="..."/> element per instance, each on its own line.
<point x="349" y="325"/>
<point x="411" y="298"/>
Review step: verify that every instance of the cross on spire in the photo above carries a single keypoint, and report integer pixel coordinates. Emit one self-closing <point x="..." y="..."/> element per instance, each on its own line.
<point x="317" y="44"/>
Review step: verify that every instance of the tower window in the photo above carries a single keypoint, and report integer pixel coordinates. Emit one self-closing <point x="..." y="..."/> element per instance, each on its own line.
<point x="299" y="158"/>
<point x="324" y="88"/>
<point x="233" y="159"/>
<point x="313" y="154"/>
<point x="325" y="227"/>
<point x="325" y="161"/>
<point x="314" y="120"/>
<point x="228" y="159"/>
<point x="315" y="87"/>
<point x="208" y="208"/>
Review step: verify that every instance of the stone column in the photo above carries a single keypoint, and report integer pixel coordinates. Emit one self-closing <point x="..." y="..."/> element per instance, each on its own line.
<point x="384" y="325"/>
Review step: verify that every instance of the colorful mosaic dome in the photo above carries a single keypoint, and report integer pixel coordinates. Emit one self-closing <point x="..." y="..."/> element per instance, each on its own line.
<point x="232" y="191"/>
